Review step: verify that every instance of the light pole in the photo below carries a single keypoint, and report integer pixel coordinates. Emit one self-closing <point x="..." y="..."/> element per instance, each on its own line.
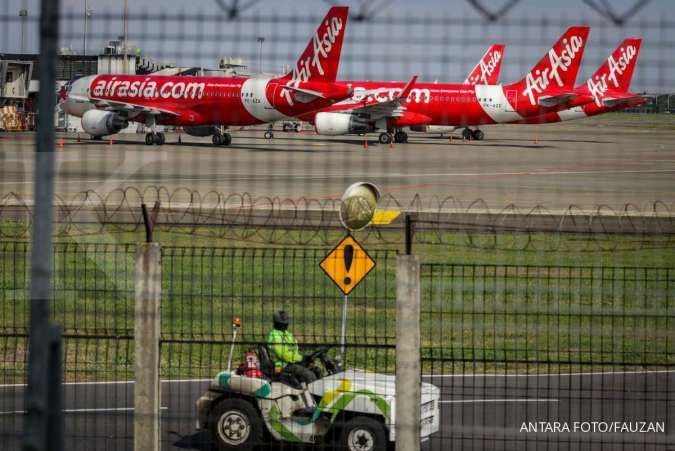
<point x="260" y="40"/>
<point x="87" y="14"/>
<point x="23" y="13"/>
<point x="126" y="62"/>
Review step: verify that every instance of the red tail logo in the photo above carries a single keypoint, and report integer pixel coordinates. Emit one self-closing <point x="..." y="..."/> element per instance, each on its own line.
<point x="488" y="68"/>
<point x="617" y="71"/>
<point x="321" y="58"/>
<point x="560" y="65"/>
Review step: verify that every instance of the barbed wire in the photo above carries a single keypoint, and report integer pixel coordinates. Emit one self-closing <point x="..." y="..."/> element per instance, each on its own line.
<point x="444" y="221"/>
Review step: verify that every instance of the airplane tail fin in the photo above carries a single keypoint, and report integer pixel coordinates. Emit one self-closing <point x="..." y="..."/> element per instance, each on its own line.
<point x="617" y="71"/>
<point x="488" y="68"/>
<point x="321" y="58"/>
<point x="557" y="71"/>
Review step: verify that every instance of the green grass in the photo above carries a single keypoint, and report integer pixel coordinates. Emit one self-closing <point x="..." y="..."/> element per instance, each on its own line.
<point x="484" y="308"/>
<point x="632" y="120"/>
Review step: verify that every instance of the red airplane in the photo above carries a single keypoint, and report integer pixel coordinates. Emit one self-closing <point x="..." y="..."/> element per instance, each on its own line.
<point x="608" y="87"/>
<point x="202" y="105"/>
<point x="486" y="72"/>
<point x="548" y="87"/>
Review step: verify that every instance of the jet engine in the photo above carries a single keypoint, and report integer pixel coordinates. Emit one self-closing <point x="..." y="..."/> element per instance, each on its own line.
<point x="202" y="130"/>
<point x="341" y="124"/>
<point x="102" y="123"/>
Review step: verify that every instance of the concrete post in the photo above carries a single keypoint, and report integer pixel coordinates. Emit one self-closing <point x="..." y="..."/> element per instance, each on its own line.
<point x="408" y="370"/>
<point x="146" y="335"/>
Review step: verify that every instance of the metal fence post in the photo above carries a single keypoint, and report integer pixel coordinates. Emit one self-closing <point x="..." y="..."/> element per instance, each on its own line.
<point x="408" y="370"/>
<point x="44" y="402"/>
<point x="146" y="336"/>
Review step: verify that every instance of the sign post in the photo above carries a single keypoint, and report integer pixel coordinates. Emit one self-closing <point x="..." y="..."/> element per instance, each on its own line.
<point x="347" y="265"/>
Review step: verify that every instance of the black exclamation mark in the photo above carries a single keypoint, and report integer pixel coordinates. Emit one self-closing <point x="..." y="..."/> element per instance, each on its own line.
<point x="348" y="255"/>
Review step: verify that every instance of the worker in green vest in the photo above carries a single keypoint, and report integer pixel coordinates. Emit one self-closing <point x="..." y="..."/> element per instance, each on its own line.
<point x="284" y="351"/>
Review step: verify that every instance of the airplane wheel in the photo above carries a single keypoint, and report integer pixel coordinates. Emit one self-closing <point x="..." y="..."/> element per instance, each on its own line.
<point x="401" y="137"/>
<point x="285" y="128"/>
<point x="160" y="139"/>
<point x="149" y="139"/>
<point x="478" y="135"/>
<point x="269" y="135"/>
<point x="216" y="139"/>
<point x="467" y="134"/>
<point x="297" y="128"/>
<point x="385" y="138"/>
<point x="225" y="139"/>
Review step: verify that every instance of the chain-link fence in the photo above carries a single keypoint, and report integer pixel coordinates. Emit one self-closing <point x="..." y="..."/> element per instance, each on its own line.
<point x="505" y="344"/>
<point x="547" y="249"/>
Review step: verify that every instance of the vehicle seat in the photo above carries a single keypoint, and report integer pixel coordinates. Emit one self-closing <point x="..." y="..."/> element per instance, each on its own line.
<point x="266" y="364"/>
<point x="267" y="368"/>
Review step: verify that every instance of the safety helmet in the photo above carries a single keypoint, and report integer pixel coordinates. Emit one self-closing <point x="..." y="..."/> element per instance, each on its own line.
<point x="281" y="320"/>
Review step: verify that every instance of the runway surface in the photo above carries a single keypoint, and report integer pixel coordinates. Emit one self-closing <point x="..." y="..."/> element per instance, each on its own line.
<point x="610" y="162"/>
<point x="478" y="412"/>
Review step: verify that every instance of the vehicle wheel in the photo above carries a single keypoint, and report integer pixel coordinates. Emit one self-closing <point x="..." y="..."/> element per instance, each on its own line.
<point x="226" y="139"/>
<point x="216" y="139"/>
<point x="269" y="135"/>
<point x="149" y="139"/>
<point x="467" y="134"/>
<point x="298" y="127"/>
<point x="234" y="424"/>
<point x="363" y="434"/>
<point x="478" y="135"/>
<point x="385" y="138"/>
<point x="160" y="139"/>
<point x="285" y="128"/>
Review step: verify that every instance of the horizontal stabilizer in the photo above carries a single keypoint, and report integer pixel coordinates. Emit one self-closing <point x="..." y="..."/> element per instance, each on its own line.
<point x="618" y="101"/>
<point x="305" y="95"/>
<point x="551" y="101"/>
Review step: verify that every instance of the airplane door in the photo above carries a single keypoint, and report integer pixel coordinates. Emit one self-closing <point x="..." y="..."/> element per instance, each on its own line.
<point x="512" y="100"/>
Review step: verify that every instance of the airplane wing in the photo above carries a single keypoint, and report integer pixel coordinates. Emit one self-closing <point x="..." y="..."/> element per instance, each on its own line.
<point x="125" y="107"/>
<point x="378" y="110"/>
<point x="132" y="108"/>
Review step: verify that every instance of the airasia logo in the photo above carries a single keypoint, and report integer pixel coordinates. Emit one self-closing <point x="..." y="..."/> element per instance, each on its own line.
<point x="487" y="66"/>
<point x="382" y="95"/>
<point x="541" y="79"/>
<point x="322" y="47"/>
<point x="148" y="89"/>
<point x="600" y="85"/>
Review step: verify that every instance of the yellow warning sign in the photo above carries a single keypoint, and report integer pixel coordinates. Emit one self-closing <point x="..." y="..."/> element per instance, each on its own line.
<point x="347" y="264"/>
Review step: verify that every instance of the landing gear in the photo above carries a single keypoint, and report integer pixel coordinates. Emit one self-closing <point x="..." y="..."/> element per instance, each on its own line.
<point x="400" y="137"/>
<point x="155" y="138"/>
<point x="269" y="134"/>
<point x="224" y="139"/>
<point x="469" y="134"/>
<point x="385" y="138"/>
